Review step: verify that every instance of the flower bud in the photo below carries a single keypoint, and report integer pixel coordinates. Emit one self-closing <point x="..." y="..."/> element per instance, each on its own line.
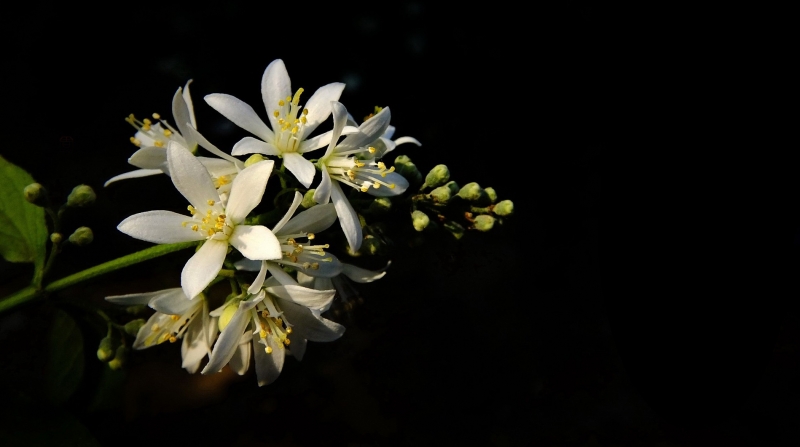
<point x="81" y="195"/>
<point x="491" y="193"/>
<point x="381" y="205"/>
<point x="56" y="238"/>
<point x="420" y="220"/>
<point x="308" y="199"/>
<point x="504" y="208"/>
<point x="439" y="175"/>
<point x="253" y="159"/>
<point x="35" y="194"/>
<point x="372" y="245"/>
<point x="472" y="192"/>
<point x="82" y="236"/>
<point x="120" y="357"/>
<point x="484" y="222"/>
<point x="132" y="327"/>
<point x="454" y="228"/>
<point x="227" y="314"/>
<point x="105" y="351"/>
<point x="405" y="167"/>
<point x="441" y="194"/>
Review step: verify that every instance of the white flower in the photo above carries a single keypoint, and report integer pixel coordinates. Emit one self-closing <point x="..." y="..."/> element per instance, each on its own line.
<point x="176" y="317"/>
<point x="384" y="144"/>
<point x="352" y="162"/>
<point x="280" y="309"/>
<point x="219" y="226"/>
<point x="290" y="125"/>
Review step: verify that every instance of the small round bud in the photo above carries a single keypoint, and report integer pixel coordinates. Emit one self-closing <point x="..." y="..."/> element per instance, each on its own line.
<point x="472" y="192"/>
<point x="255" y="158"/>
<point x="82" y="236"/>
<point x="120" y="357"/>
<point x="420" y="220"/>
<point x="439" y="175"/>
<point x="504" y="208"/>
<point x="484" y="222"/>
<point x="227" y="314"/>
<point x="132" y="327"/>
<point x="308" y="199"/>
<point x="441" y="194"/>
<point x="405" y="167"/>
<point x="35" y="194"/>
<point x="81" y="195"/>
<point x="491" y="193"/>
<point x="381" y="205"/>
<point x="105" y="351"/>
<point x="56" y="238"/>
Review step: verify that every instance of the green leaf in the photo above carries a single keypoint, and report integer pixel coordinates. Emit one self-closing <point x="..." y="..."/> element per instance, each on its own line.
<point x="64" y="367"/>
<point x="23" y="230"/>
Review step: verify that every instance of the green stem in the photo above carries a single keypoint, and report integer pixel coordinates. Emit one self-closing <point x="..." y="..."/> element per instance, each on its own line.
<point x="30" y="293"/>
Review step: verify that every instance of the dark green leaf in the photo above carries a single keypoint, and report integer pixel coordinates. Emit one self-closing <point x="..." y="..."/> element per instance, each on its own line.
<point x="65" y="359"/>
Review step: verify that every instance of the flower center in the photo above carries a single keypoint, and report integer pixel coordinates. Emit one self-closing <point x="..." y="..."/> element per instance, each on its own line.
<point x="149" y="134"/>
<point x="170" y="327"/>
<point x="270" y="323"/>
<point x="359" y="174"/>
<point x="291" y="129"/>
<point x="212" y="224"/>
<point x="302" y="256"/>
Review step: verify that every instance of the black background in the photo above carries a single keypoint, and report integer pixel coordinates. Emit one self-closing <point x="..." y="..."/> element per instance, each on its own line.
<point x="644" y="293"/>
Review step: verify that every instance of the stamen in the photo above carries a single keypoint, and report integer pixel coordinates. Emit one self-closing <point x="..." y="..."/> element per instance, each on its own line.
<point x="156" y="116"/>
<point x="268" y="350"/>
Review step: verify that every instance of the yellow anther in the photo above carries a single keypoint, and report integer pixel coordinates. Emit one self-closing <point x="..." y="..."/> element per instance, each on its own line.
<point x="173" y="339"/>
<point x="315" y="266"/>
<point x="381" y="165"/>
<point x="146" y="121"/>
<point x="265" y="313"/>
<point x="303" y="120"/>
<point x="358" y="163"/>
<point x="391" y="169"/>
<point x="268" y="350"/>
<point x="392" y="186"/>
<point x="364" y="188"/>
<point x="183" y="224"/>
<point x="210" y="203"/>
<point x="219" y="225"/>
<point x="281" y="103"/>
<point x="305" y="111"/>
<point x="372" y="150"/>
<point x="146" y="127"/>
<point x="191" y="209"/>
<point x="164" y="338"/>
<point x="306" y="265"/>
<point x="158" y="143"/>
<point x="276" y="114"/>
<point x="289" y="98"/>
<point x="286" y="341"/>
<point x="136" y="142"/>
<point x="263" y="333"/>
<point x="278" y="321"/>
<point x="376" y="185"/>
<point x="156" y="116"/>
<point x="289" y="330"/>
<point x="130" y="118"/>
<point x="194" y="227"/>
<point x="294" y="130"/>
<point x="154" y="327"/>
<point x="175" y="317"/>
<point x="311" y="236"/>
<point x="210" y="232"/>
<point x="167" y="132"/>
<point x="291" y="241"/>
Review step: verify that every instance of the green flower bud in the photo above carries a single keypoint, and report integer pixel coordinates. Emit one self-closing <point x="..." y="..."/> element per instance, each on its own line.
<point x="441" y="194"/>
<point x="253" y="159"/>
<point x="405" y="167"/>
<point x="120" y="357"/>
<point x="453" y="187"/>
<point x="81" y="195"/>
<point x="132" y="327"/>
<point x="381" y="205"/>
<point x="35" y="194"/>
<point x="82" y="236"/>
<point x="472" y="192"/>
<point x="491" y="193"/>
<point x="105" y="352"/>
<point x="484" y="222"/>
<point x="308" y="199"/>
<point x="454" y="228"/>
<point x="504" y="208"/>
<point x="372" y="245"/>
<point x="227" y="314"/>
<point x="439" y="175"/>
<point x="420" y="220"/>
<point x="56" y="238"/>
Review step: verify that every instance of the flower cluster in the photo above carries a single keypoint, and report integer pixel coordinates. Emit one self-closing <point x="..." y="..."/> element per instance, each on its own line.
<point x="280" y="308"/>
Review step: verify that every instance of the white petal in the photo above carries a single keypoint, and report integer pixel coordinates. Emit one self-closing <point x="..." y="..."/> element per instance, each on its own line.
<point x="319" y="105"/>
<point x="302" y="169"/>
<point x="275" y="86"/>
<point x="268" y="366"/>
<point x="278" y="275"/>
<point x="191" y="178"/>
<point x="133" y="174"/>
<point x="296" y="201"/>
<point x="194" y="346"/>
<point x="348" y="218"/>
<point x="218" y="167"/>
<point x="309" y="326"/>
<point x="298" y="347"/>
<point x="339" y="123"/>
<point x="133" y="299"/>
<point x="149" y="158"/>
<point x="229" y="338"/>
<point x="404" y="140"/>
<point x="255" y="242"/>
<point x="322" y="194"/>
<point x="311" y="298"/>
<point x="400" y="186"/>
<point x="193" y="133"/>
<point x="146" y="331"/>
<point x="183" y="119"/>
<point x="247" y="265"/>
<point x="247" y="190"/>
<point x="259" y="281"/>
<point x="328" y="269"/>
<point x="160" y="227"/>
<point x="249" y="145"/>
<point x="358" y="274"/>
<point x="187" y="97"/>
<point x="240" y="361"/>
<point x="389" y="132"/>
<point x="174" y="302"/>
<point x="369" y="131"/>
<point x="240" y="113"/>
<point x="203" y="267"/>
<point x="312" y="144"/>
<point x="313" y="220"/>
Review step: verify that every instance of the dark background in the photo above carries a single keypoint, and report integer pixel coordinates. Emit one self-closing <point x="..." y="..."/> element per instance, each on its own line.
<point x="644" y="293"/>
